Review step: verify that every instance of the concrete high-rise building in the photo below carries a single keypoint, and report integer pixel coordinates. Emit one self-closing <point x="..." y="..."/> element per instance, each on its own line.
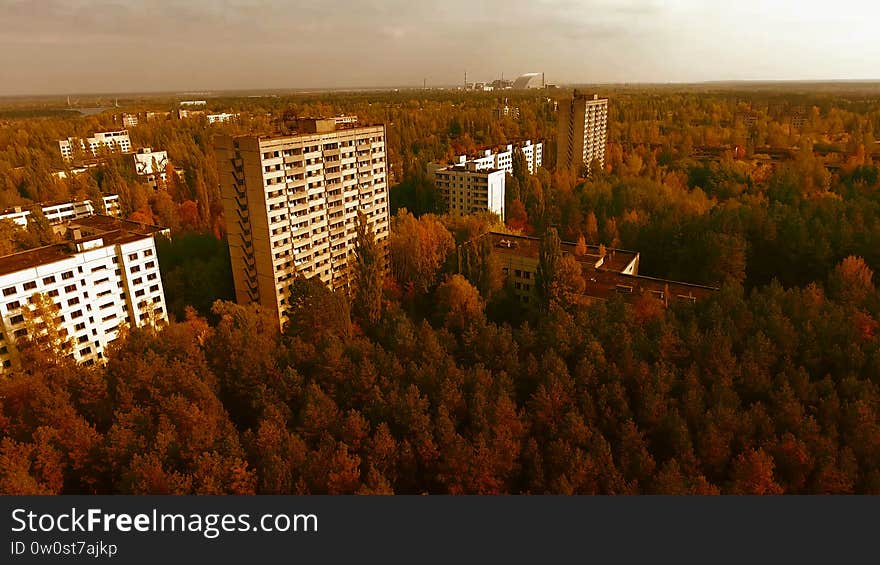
<point x="105" y="276"/>
<point x="583" y="122"/>
<point x="291" y="205"/>
<point x="469" y="188"/>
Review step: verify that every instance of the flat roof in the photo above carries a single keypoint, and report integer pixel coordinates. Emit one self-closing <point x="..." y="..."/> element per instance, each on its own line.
<point x="113" y="231"/>
<point x="607" y="280"/>
<point x="615" y="259"/>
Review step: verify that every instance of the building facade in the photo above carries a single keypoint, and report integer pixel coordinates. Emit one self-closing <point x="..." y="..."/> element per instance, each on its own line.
<point x="110" y="141"/>
<point x="468" y="188"/>
<point x="107" y="275"/>
<point x="291" y="205"/>
<point x="583" y="123"/>
<point x="151" y="166"/>
<point x="60" y="212"/>
<point x="221" y="117"/>
<point x="502" y="157"/>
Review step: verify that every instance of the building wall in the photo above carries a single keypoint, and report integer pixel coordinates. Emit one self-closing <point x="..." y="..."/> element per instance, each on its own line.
<point x="96" y="290"/>
<point x="503" y="158"/>
<point x="150" y="165"/>
<point x="114" y="141"/>
<point x="61" y="212"/>
<point x="291" y="205"/>
<point x="469" y="191"/>
<point x="582" y="131"/>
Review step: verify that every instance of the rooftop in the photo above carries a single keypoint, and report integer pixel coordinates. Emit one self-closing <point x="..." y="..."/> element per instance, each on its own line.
<point x="607" y="280"/>
<point x="616" y="260"/>
<point x="112" y="231"/>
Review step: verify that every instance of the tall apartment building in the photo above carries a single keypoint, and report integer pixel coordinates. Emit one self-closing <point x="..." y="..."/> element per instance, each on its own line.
<point x="60" y="212"/>
<point x="150" y="165"/>
<point x="221" y="117"/>
<point x="112" y="141"/>
<point x="291" y="204"/>
<point x="105" y="276"/>
<point x="583" y="122"/>
<point x="468" y="188"/>
<point x="502" y="157"/>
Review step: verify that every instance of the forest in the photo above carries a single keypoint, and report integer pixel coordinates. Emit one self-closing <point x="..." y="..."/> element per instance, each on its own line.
<point x="432" y="379"/>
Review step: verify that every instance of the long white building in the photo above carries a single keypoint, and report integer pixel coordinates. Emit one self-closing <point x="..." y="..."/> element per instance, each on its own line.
<point x="60" y="212"/>
<point x="468" y="188"/>
<point x="106" y="276"/>
<point x="291" y="204"/>
<point x="502" y="157"/>
<point x="111" y="141"/>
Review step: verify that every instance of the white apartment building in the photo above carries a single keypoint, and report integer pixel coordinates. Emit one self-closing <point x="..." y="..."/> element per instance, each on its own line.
<point x="291" y="205"/>
<point x="113" y="141"/>
<point x="60" y="212"/>
<point x="151" y="166"/>
<point x="502" y="157"/>
<point x="129" y="120"/>
<point x="583" y="124"/>
<point x="468" y="188"/>
<point x="108" y="275"/>
<point x="220" y="118"/>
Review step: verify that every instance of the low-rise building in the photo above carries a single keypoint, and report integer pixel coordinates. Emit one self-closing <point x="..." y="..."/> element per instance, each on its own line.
<point x="104" y="277"/>
<point x="607" y="272"/>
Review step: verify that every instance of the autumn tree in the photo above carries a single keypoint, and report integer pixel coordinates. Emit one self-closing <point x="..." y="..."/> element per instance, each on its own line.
<point x="368" y="273"/>
<point x="458" y="302"/>
<point x="549" y="258"/>
<point x="419" y="247"/>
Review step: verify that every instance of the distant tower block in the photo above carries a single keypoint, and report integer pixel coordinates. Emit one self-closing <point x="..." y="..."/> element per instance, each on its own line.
<point x="583" y="124"/>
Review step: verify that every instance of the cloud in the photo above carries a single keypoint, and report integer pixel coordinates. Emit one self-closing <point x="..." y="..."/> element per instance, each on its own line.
<point x="132" y="45"/>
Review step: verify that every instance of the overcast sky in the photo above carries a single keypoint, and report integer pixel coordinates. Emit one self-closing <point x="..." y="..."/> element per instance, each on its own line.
<point x="70" y="46"/>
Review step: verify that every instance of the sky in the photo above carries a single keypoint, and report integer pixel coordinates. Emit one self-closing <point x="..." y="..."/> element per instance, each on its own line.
<point x="95" y="46"/>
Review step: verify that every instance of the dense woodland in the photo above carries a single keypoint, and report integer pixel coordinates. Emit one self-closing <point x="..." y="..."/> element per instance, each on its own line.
<point x="432" y="379"/>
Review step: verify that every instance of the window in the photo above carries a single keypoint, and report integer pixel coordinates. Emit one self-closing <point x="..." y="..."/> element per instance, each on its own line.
<point x="49" y="280"/>
<point x="70" y="288"/>
<point x="133" y="257"/>
<point x="30" y="285"/>
<point x="67" y="276"/>
<point x="13" y="305"/>
<point x="53" y="293"/>
<point x="17" y="319"/>
<point x="73" y="301"/>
